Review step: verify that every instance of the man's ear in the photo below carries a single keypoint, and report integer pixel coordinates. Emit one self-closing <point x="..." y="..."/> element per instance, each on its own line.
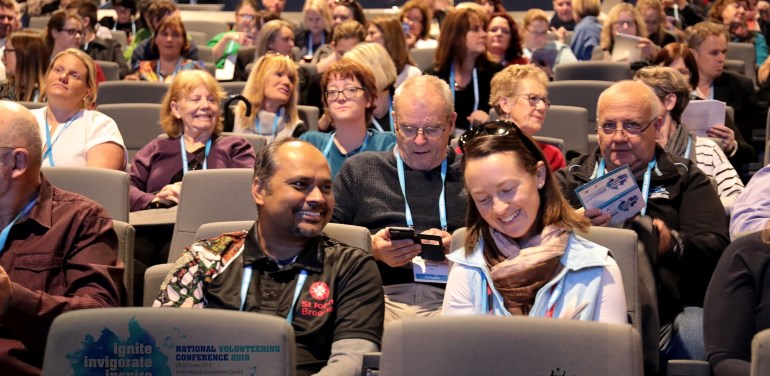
<point x="669" y="101"/>
<point x="20" y="162"/>
<point x="258" y="192"/>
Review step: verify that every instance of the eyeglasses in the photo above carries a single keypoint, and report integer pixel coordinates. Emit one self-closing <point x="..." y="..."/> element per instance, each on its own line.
<point x="72" y="32"/>
<point x="500" y="128"/>
<point x="538" y="33"/>
<point x="631" y="128"/>
<point x="8" y="50"/>
<point x="246" y="17"/>
<point x="625" y="23"/>
<point x="347" y="93"/>
<point x="431" y="133"/>
<point x="534" y="99"/>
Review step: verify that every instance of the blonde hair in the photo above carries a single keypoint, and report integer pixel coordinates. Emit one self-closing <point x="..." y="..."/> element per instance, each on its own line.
<point x="657" y="6"/>
<point x="533" y="15"/>
<point x="185" y="82"/>
<point x="583" y="8"/>
<point x="90" y="97"/>
<point x="254" y="90"/>
<point x="377" y="59"/>
<point x="322" y="9"/>
<point x="607" y="38"/>
<point x="506" y="82"/>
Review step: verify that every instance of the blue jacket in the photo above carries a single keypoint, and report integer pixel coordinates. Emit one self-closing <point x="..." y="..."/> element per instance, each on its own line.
<point x="586" y="37"/>
<point x="577" y="286"/>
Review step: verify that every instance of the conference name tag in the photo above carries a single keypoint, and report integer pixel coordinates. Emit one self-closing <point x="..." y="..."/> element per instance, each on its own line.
<point x="616" y="193"/>
<point x="430" y="271"/>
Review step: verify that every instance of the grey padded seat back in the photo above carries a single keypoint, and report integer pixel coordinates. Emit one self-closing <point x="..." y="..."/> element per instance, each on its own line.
<point x="235" y="87"/>
<point x="558" y="142"/>
<point x="760" y="353"/>
<point x="570" y="124"/>
<point x="593" y="70"/>
<point x="38" y="22"/>
<point x="257" y="141"/>
<point x="209" y="28"/>
<point x="169" y="334"/>
<point x="198" y="37"/>
<point x="126" y="234"/>
<point x="746" y="53"/>
<point x="111" y="69"/>
<point x="153" y="279"/>
<point x="206" y="54"/>
<point x="121" y="37"/>
<point x="423" y="57"/>
<point x="518" y="345"/>
<point x="211" y="196"/>
<point x="309" y="115"/>
<point x="109" y="188"/>
<point x="131" y="92"/>
<point x="139" y="123"/>
<point x="582" y="94"/>
<point x="737" y="66"/>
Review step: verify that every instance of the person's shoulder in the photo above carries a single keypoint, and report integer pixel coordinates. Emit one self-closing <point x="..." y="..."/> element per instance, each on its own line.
<point x="382" y="141"/>
<point x="318" y="139"/>
<point x="373" y="159"/>
<point x="98" y="118"/>
<point x="86" y="207"/>
<point x="224" y="246"/>
<point x="343" y="255"/>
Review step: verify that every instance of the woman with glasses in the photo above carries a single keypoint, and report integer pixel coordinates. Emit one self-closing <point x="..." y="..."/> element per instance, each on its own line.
<point x="272" y="89"/>
<point x="520" y="94"/>
<point x="191" y="119"/>
<point x="63" y="31"/>
<point x="461" y="61"/>
<point x="521" y="255"/>
<point x="658" y="25"/>
<point x="732" y="14"/>
<point x="72" y="134"/>
<point x="25" y="57"/>
<point x="416" y="19"/>
<point x="673" y="96"/>
<point x="542" y="52"/>
<point x="171" y="44"/>
<point x="243" y="34"/>
<point x="349" y="91"/>
<point x="624" y="19"/>
<point x="387" y="32"/>
<point x="503" y="41"/>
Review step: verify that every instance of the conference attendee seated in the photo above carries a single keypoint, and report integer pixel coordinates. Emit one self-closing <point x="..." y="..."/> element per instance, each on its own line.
<point x="25" y="58"/>
<point x="59" y="251"/>
<point x="521" y="255"/>
<point x="349" y="92"/>
<point x="751" y="211"/>
<point x="415" y="17"/>
<point x="275" y="6"/>
<point x="316" y="28"/>
<point x="387" y="32"/>
<point x="275" y="37"/>
<point x="159" y="10"/>
<point x="585" y="38"/>
<point x="624" y="19"/>
<point x="171" y="45"/>
<point x="344" y="37"/>
<point x="417" y="185"/>
<point x="732" y="14"/>
<point x="563" y="19"/>
<point x="72" y="134"/>
<point x="94" y="45"/>
<point x="125" y="11"/>
<point x="243" y="34"/>
<point x="272" y="90"/>
<point x="673" y="95"/>
<point x="683" y="206"/>
<point x="504" y="43"/>
<point x="537" y="48"/>
<point x="660" y="30"/>
<point x="285" y="266"/>
<point x="736" y="307"/>
<point x="520" y="94"/>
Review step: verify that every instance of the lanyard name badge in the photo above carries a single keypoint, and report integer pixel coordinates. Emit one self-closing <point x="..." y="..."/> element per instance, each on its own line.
<point x="645" y="184"/>
<point x="441" y="200"/>
<point x="328" y="147"/>
<point x="376" y="123"/>
<point x="23" y="213"/>
<point x="310" y="43"/>
<point x="176" y="69"/>
<point x="475" y="85"/>
<point x="48" y="142"/>
<point x="227" y="72"/>
<point x="184" y="154"/>
<point x="258" y="129"/>
<point x="247" y="272"/>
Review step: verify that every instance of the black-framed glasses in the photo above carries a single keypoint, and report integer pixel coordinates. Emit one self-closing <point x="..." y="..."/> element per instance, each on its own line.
<point x="72" y="32"/>
<point x="500" y="128"/>
<point x="534" y="99"/>
<point x="347" y="93"/>
<point x="630" y="128"/>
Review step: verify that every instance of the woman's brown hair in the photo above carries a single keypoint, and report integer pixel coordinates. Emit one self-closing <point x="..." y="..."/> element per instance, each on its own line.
<point x="451" y="41"/>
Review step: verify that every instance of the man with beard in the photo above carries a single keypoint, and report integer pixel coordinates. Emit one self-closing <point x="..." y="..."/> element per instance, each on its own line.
<point x="337" y="314"/>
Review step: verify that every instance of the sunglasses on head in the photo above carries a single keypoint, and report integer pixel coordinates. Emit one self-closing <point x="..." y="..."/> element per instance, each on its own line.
<point x="500" y="128"/>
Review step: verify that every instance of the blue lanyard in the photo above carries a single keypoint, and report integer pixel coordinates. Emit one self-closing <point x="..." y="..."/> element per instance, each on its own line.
<point x="689" y="146"/>
<point x="184" y="154"/>
<point x="390" y="117"/>
<point x="133" y="26"/>
<point x="475" y="86"/>
<point x="178" y="64"/>
<point x="310" y="42"/>
<point x="23" y="213"/>
<point x="328" y="146"/>
<point x="275" y="123"/>
<point x="645" y="184"/>
<point x="48" y="143"/>
<point x="297" y="289"/>
<point x="441" y="199"/>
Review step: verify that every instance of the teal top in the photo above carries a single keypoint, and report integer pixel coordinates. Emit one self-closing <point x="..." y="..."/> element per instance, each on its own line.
<point x="377" y="141"/>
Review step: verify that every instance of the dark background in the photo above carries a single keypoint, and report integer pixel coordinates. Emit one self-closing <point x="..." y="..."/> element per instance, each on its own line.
<point x="510" y="5"/>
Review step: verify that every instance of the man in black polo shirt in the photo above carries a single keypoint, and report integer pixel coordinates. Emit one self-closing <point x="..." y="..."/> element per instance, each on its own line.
<point x="338" y="312"/>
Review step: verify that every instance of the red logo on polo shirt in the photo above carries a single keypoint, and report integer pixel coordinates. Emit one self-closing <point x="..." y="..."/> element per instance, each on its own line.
<point x="319" y="291"/>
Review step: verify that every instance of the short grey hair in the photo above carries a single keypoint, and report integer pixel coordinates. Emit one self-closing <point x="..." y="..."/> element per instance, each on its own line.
<point x="19" y="129"/>
<point x="426" y="83"/>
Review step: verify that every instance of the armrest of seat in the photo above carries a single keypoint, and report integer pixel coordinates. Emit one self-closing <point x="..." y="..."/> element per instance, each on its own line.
<point x="680" y="367"/>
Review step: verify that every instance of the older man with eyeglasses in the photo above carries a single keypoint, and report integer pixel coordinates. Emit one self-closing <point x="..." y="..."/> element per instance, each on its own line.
<point x="418" y="185"/>
<point x="687" y="215"/>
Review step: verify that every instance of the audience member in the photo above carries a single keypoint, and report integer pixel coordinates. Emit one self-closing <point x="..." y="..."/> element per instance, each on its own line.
<point x="63" y="31"/>
<point x="751" y="211"/>
<point x="346" y="36"/>
<point x="275" y="36"/>
<point x="96" y="47"/>
<point x="60" y="253"/>
<point x="349" y="91"/>
<point x="503" y="41"/>
<point x="387" y="32"/>
<point x="521" y="246"/>
<point x="587" y="30"/>
<point x="72" y="134"/>
<point x="316" y="28"/>
<point x="658" y="26"/>
<point x="145" y="50"/>
<point x="491" y="6"/>
<point x="275" y="6"/>
<point x="673" y="96"/>
<point x="520" y="94"/>
<point x="683" y="12"/>
<point x="25" y="57"/>
<point x="171" y="46"/>
<point x="624" y="19"/>
<point x="416" y="16"/>
<point x="552" y="52"/>
<point x="9" y="14"/>
<point x="563" y="18"/>
<point x="347" y="10"/>
<point x="419" y="185"/>
<point x="375" y="57"/>
<point x="125" y="10"/>
<point x="686" y="213"/>
<point x="289" y="255"/>
<point x="243" y="34"/>
<point x="461" y="60"/>
<point x="272" y="90"/>
<point x="731" y="13"/>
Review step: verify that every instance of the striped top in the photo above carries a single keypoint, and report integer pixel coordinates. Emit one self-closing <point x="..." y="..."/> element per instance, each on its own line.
<point x="710" y="158"/>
